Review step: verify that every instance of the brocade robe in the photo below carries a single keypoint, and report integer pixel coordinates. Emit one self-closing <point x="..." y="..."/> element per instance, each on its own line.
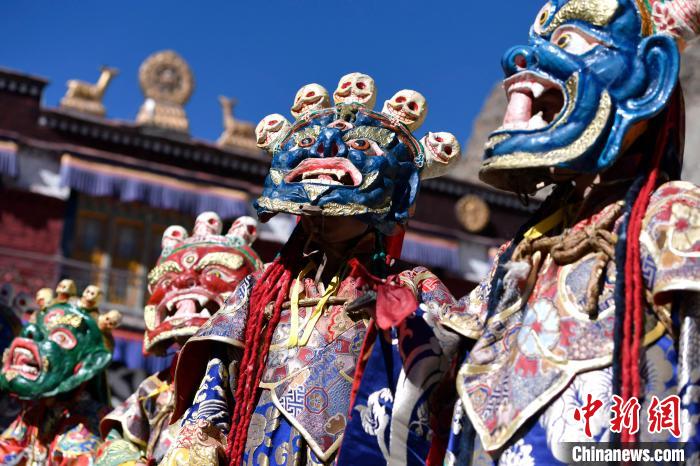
<point x="538" y="358"/>
<point x="64" y="434"/>
<point x="139" y="429"/>
<point x="304" y="412"/>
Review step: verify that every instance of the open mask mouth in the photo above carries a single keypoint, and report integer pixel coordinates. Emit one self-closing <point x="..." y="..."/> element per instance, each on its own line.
<point x="333" y="171"/>
<point x="23" y="359"/>
<point x="183" y="307"/>
<point x="534" y="102"/>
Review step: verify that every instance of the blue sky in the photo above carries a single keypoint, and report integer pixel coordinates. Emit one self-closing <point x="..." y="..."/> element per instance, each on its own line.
<point x="262" y="52"/>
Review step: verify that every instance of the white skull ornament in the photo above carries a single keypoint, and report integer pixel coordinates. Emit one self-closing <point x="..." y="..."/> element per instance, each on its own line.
<point x="270" y="129"/>
<point x="244" y="228"/>
<point x="356" y="88"/>
<point x="43" y="298"/>
<point x="310" y="97"/>
<point x="441" y="152"/>
<point x="207" y="224"/>
<point x="173" y="236"/>
<point x="91" y="297"/>
<point x="407" y="106"/>
<point x="65" y="290"/>
<point x="109" y="320"/>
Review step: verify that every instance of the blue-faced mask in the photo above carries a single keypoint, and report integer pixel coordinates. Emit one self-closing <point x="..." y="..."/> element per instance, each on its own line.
<point x="349" y="160"/>
<point x="579" y="93"/>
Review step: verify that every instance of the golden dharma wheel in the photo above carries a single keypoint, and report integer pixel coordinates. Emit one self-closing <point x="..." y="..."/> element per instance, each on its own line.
<point x="165" y="76"/>
<point x="473" y="213"/>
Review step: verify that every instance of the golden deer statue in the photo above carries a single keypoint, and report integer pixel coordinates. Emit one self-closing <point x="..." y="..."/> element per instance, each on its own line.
<point x="87" y="97"/>
<point x="236" y="133"/>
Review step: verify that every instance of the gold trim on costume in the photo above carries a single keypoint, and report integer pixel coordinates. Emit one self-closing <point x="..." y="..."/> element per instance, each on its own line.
<point x="645" y="15"/>
<point x="570" y="369"/>
<point x="224" y="259"/>
<point x="564" y="154"/>
<point x="323" y="456"/>
<point x="381" y="136"/>
<point x="331" y="209"/>
<point x="276" y="176"/>
<point x="308" y="132"/>
<point x="596" y="12"/>
<point x="160" y="270"/>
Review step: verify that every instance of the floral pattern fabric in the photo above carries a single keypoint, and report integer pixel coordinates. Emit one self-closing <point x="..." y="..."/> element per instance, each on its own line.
<point x="140" y="427"/>
<point x="304" y="414"/>
<point x="391" y="420"/>
<point x="64" y="434"/>
<point x="540" y="355"/>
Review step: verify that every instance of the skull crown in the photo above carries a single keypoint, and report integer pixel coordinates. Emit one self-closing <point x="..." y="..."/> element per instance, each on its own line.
<point x="407" y="108"/>
<point x="208" y="227"/>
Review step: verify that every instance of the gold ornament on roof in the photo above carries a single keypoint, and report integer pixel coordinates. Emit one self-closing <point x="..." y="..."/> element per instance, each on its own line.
<point x="87" y="97"/>
<point x="166" y="77"/>
<point x="167" y="82"/>
<point x="236" y="133"/>
<point x="473" y="213"/>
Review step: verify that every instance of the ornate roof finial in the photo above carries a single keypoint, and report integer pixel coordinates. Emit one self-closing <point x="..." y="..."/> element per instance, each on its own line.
<point x="167" y="82"/>
<point x="236" y="133"/>
<point x="86" y="97"/>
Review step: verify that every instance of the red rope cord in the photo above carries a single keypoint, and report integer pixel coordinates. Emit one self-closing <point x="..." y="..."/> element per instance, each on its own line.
<point x="271" y="287"/>
<point x="633" y="329"/>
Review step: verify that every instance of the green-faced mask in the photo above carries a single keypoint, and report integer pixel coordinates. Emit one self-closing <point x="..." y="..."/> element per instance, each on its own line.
<point x="58" y="353"/>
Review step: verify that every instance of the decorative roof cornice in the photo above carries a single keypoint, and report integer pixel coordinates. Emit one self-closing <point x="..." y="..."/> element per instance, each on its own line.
<point x="20" y="83"/>
<point x="128" y="135"/>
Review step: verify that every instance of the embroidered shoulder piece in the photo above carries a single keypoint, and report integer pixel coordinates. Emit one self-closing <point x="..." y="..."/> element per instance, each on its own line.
<point x="467" y="316"/>
<point x="116" y="451"/>
<point x="201" y="438"/>
<point x="228" y="325"/>
<point x="129" y="418"/>
<point x="78" y="443"/>
<point x="670" y="240"/>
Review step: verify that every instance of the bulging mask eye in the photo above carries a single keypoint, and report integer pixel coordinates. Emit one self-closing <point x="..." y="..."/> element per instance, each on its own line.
<point x="367" y="146"/>
<point x="573" y="40"/>
<point x="360" y="144"/>
<point x="341" y="125"/>
<point x="543" y="17"/>
<point x="217" y="272"/>
<point x="308" y="141"/>
<point x="63" y="338"/>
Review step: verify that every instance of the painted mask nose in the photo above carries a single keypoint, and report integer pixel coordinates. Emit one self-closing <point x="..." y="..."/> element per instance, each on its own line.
<point x="32" y="332"/>
<point x="330" y="144"/>
<point x="185" y="280"/>
<point x="519" y="59"/>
